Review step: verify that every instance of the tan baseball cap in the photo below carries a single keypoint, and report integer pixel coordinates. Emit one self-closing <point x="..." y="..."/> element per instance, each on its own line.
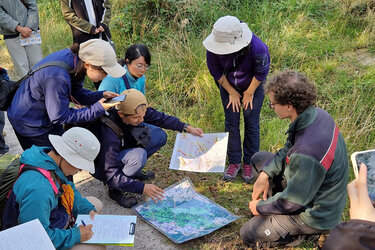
<point x="133" y="99"/>
<point x="98" y="52"/>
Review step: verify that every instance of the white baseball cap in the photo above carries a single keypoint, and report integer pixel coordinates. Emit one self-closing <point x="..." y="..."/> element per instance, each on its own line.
<point x="229" y="35"/>
<point x="78" y="146"/>
<point x="98" y="52"/>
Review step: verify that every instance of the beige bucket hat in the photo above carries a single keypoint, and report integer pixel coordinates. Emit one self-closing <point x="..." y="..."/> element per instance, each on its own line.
<point x="229" y="35"/>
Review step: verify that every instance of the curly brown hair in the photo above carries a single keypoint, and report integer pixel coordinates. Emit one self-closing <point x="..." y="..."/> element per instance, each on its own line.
<point x="294" y="88"/>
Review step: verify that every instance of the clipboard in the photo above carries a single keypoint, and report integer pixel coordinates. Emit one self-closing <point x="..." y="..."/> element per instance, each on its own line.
<point x="118" y="230"/>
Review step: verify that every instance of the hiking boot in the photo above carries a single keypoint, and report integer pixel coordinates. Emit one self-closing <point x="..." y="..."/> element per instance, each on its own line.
<point x="247" y="173"/>
<point x="231" y="172"/>
<point x="125" y="199"/>
<point x="144" y="175"/>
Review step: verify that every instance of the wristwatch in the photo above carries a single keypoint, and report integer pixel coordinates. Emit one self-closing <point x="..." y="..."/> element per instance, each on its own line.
<point x="185" y="127"/>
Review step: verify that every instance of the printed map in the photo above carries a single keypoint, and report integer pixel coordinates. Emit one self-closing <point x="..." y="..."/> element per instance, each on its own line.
<point x="184" y="214"/>
<point x="200" y="154"/>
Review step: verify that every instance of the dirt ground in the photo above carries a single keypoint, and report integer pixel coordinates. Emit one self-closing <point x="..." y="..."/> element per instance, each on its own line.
<point x="146" y="237"/>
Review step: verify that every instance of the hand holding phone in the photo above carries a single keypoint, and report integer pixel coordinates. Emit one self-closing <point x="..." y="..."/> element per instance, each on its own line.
<point x="361" y="207"/>
<point x="119" y="98"/>
<point x="368" y="158"/>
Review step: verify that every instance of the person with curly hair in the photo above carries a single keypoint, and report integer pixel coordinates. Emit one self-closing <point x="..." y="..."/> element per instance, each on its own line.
<point x="300" y="191"/>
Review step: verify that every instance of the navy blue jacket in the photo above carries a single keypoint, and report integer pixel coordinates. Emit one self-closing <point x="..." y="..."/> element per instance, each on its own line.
<point x="43" y="99"/>
<point x="108" y="168"/>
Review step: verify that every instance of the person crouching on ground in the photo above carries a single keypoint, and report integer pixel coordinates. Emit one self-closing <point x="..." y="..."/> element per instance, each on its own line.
<point x="122" y="158"/>
<point x="303" y="185"/>
<point x="41" y="104"/>
<point x="34" y="196"/>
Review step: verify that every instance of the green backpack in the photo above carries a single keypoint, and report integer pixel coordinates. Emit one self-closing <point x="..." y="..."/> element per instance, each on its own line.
<point x="9" y="169"/>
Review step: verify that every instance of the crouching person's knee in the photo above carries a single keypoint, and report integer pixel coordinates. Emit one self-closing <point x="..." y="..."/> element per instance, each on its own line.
<point x="247" y="234"/>
<point x="259" y="230"/>
<point x="98" y="204"/>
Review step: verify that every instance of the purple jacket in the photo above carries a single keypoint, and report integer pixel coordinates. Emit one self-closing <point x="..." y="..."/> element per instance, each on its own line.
<point x="240" y="70"/>
<point x="43" y="99"/>
<point x="108" y="168"/>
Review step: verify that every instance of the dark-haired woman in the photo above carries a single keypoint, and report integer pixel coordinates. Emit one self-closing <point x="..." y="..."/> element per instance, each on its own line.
<point x="136" y="62"/>
<point x="41" y="105"/>
<point x="239" y="63"/>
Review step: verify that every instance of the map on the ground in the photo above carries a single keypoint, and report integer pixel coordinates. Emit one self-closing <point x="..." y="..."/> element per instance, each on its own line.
<point x="184" y="214"/>
<point x="200" y="154"/>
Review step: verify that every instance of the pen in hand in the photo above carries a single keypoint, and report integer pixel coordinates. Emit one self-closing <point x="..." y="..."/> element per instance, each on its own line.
<point x="83" y="223"/>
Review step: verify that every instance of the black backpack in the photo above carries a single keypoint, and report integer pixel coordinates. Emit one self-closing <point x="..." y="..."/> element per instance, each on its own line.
<point x="9" y="88"/>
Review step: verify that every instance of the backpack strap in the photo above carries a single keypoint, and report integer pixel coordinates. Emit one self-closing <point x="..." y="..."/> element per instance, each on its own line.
<point x="56" y="63"/>
<point x="116" y="128"/>
<point x="44" y="172"/>
<point x="127" y="85"/>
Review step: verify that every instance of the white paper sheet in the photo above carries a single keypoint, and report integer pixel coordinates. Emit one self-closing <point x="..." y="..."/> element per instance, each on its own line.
<point x="29" y="235"/>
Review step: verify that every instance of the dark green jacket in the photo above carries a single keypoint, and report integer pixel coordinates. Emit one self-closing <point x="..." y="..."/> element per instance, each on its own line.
<point x="315" y="166"/>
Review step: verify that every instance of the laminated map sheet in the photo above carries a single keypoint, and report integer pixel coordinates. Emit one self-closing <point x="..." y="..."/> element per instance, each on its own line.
<point x="184" y="214"/>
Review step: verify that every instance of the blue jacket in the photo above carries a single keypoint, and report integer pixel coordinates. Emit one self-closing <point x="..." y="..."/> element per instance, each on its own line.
<point x="36" y="199"/>
<point x="108" y="168"/>
<point x="42" y="100"/>
<point x="117" y="85"/>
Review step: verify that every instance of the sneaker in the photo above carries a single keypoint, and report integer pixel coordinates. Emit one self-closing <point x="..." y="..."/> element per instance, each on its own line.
<point x="144" y="175"/>
<point x="247" y="173"/>
<point x="125" y="199"/>
<point x="231" y="172"/>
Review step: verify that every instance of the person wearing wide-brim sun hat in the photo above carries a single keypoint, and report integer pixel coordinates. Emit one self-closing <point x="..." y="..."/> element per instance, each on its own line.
<point x="44" y="192"/>
<point x="239" y="63"/>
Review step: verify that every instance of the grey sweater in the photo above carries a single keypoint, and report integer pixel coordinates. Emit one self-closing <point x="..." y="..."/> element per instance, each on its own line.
<point x="14" y="12"/>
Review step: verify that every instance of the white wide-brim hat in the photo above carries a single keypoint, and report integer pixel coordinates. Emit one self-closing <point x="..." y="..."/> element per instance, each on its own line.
<point x="229" y="35"/>
<point x="78" y="146"/>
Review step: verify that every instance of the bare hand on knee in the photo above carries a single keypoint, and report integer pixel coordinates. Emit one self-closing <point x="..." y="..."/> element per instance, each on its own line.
<point x="253" y="207"/>
<point x="261" y="186"/>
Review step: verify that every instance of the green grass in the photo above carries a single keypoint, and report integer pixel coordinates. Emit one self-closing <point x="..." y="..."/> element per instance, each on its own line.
<point x="332" y="41"/>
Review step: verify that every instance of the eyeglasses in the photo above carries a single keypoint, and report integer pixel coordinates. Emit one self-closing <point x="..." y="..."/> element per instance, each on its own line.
<point x="141" y="66"/>
<point x="272" y="105"/>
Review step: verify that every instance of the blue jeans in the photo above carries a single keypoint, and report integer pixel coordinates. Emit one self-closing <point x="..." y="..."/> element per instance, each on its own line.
<point x="134" y="158"/>
<point x="251" y="127"/>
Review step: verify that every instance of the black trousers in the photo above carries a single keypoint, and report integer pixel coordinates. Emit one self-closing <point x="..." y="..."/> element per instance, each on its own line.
<point x="275" y="230"/>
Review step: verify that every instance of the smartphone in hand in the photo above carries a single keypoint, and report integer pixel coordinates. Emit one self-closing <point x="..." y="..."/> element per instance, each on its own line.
<point x="119" y="98"/>
<point x="368" y="158"/>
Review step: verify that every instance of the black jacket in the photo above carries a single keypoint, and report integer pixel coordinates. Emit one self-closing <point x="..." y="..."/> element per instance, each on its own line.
<point x="75" y="14"/>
